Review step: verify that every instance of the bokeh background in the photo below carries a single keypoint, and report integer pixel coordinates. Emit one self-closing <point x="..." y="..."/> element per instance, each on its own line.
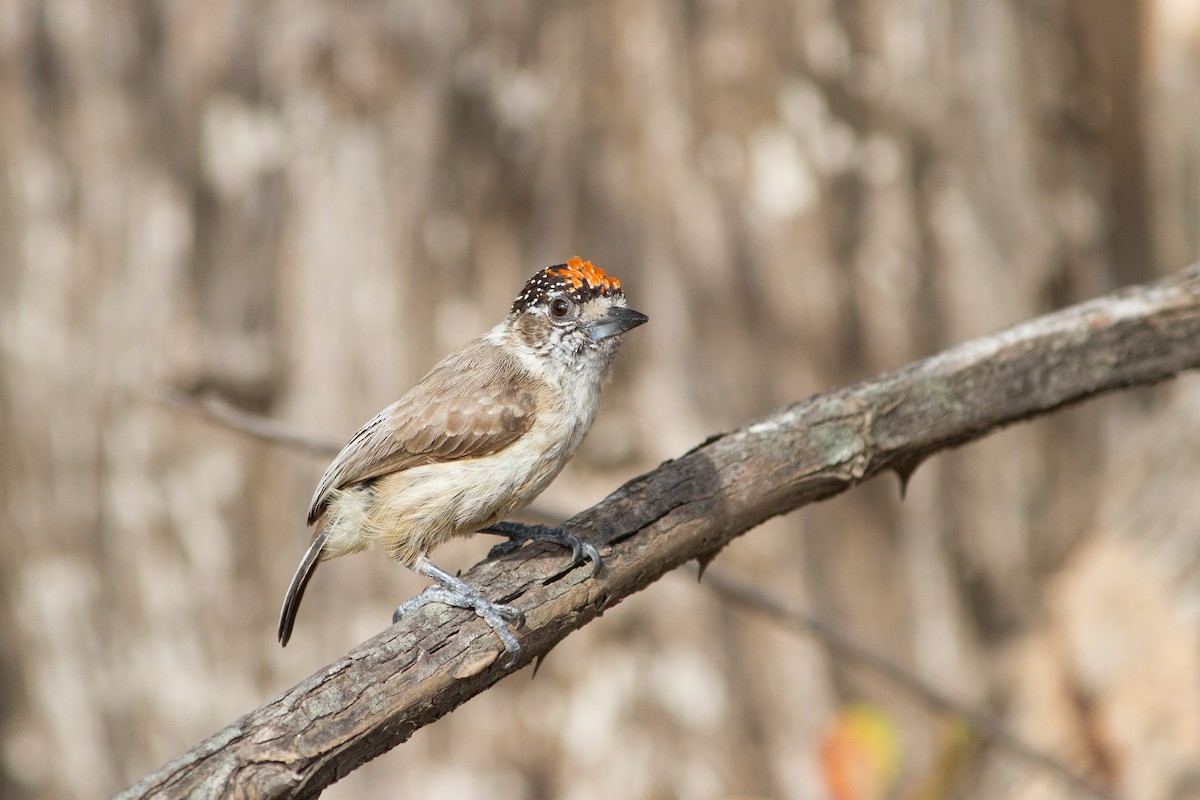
<point x="300" y="206"/>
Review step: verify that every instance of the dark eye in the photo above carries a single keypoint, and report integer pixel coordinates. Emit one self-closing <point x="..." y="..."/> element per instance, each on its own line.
<point x="560" y="307"/>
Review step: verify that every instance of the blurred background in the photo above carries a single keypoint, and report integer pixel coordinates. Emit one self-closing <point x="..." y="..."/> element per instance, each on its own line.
<point x="300" y="206"/>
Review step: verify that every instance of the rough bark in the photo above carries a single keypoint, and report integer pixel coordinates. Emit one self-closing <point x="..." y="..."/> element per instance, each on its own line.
<point x="419" y="670"/>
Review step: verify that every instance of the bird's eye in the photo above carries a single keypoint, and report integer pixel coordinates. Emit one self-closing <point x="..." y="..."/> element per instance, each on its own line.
<point x="560" y="307"/>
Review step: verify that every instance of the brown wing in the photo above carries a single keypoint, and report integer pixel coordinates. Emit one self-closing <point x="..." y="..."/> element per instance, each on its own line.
<point x="474" y="403"/>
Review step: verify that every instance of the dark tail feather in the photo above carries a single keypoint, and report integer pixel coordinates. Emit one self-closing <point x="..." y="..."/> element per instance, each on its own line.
<point x="295" y="592"/>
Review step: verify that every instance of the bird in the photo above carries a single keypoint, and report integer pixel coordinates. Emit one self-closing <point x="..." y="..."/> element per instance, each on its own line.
<point x="479" y="437"/>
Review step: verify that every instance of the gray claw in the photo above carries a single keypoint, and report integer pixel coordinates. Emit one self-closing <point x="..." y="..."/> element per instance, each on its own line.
<point x="503" y="548"/>
<point x="518" y="534"/>
<point x="576" y="551"/>
<point x="511" y="614"/>
<point x="592" y="553"/>
<point x="453" y="591"/>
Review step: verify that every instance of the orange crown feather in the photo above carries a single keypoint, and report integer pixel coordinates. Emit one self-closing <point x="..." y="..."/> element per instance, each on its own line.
<point x="582" y="279"/>
<point x="579" y="272"/>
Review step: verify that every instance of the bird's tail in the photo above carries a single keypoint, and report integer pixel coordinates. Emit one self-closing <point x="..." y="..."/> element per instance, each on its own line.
<point x="295" y="592"/>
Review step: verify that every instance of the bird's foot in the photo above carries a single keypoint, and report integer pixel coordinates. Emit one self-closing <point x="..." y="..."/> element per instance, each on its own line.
<point x="519" y="533"/>
<point x="456" y="592"/>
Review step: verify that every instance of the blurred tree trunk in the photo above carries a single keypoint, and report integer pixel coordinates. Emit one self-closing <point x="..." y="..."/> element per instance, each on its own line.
<point x="302" y="205"/>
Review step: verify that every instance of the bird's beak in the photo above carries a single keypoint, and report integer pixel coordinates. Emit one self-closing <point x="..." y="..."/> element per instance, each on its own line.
<point x="618" y="320"/>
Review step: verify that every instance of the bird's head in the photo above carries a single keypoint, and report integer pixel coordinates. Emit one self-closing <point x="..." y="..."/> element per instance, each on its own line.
<point x="573" y="315"/>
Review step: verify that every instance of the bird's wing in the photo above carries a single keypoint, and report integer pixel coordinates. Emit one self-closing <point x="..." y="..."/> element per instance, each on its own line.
<point x="472" y="404"/>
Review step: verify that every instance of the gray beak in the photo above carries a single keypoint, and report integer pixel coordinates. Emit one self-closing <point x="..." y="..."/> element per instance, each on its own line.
<point x="618" y="320"/>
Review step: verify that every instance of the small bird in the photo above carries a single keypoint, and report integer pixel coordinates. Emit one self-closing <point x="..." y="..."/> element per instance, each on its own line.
<point x="478" y="438"/>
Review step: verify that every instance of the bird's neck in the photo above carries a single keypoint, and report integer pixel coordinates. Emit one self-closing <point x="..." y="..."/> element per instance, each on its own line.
<point x="584" y="369"/>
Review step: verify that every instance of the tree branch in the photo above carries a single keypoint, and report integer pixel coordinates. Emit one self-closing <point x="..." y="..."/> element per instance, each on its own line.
<point x="414" y="672"/>
<point x="218" y="411"/>
<point x="744" y="593"/>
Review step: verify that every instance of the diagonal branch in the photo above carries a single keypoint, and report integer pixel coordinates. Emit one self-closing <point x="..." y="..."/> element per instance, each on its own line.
<point x="733" y="589"/>
<point x="417" y="671"/>
<point x="744" y="593"/>
<point x="214" y="409"/>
